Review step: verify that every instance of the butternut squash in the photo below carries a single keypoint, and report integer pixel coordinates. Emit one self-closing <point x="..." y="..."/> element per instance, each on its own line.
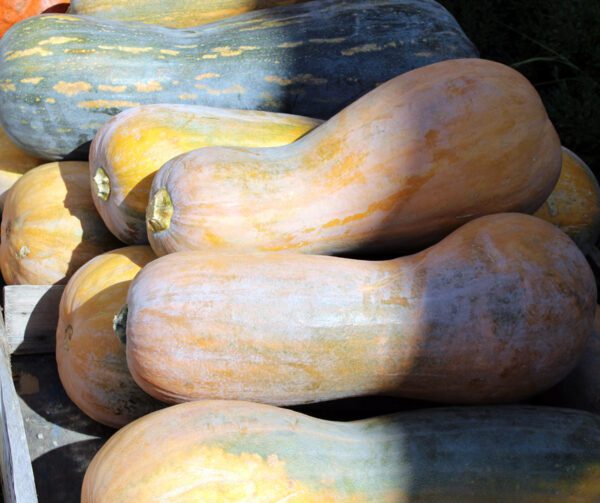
<point x="131" y="147"/>
<point x="13" y="163"/>
<point x="497" y="311"/>
<point x="174" y="13"/>
<point x="90" y="358"/>
<point x="574" y="204"/>
<point x="50" y="226"/>
<point x="229" y="451"/>
<point x="398" y="169"/>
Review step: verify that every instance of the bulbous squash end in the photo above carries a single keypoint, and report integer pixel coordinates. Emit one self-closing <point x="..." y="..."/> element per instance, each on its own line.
<point x="101" y="184"/>
<point x="120" y="323"/>
<point x="160" y="211"/>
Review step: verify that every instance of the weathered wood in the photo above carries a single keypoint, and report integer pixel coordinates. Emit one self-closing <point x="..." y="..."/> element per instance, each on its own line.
<point x="18" y="484"/>
<point x="31" y="313"/>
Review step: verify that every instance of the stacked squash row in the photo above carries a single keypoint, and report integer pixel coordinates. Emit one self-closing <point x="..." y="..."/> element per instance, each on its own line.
<point x="259" y="284"/>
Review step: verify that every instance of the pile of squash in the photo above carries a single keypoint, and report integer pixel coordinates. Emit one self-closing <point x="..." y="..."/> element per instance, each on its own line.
<point x="300" y="202"/>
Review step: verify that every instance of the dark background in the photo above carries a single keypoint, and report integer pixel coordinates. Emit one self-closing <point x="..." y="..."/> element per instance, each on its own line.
<point x="556" y="45"/>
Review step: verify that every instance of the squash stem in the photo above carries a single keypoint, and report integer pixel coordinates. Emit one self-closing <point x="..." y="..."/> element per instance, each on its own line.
<point x="120" y="323"/>
<point x="101" y="184"/>
<point x="160" y="211"/>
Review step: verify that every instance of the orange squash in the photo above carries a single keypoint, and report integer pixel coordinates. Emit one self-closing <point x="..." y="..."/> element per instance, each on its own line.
<point x="497" y="311"/>
<point x="50" y="226"/>
<point x="574" y="204"/>
<point x="227" y="451"/>
<point x="13" y="163"/>
<point x="174" y="13"/>
<point x="13" y="11"/>
<point x="399" y="168"/>
<point x="90" y="358"/>
<point x="129" y="149"/>
<point x="581" y="388"/>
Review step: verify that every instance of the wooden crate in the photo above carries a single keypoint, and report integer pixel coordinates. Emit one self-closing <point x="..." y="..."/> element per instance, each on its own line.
<point x="47" y="442"/>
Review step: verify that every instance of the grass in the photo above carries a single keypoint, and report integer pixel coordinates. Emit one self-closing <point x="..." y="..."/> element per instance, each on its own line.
<point x="555" y="44"/>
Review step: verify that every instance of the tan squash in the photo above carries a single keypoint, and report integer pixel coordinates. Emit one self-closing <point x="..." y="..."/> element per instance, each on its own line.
<point x="227" y="451"/>
<point x="497" y="311"/>
<point x="50" y="226"/>
<point x="13" y="163"/>
<point x="399" y="168"/>
<point x="574" y="204"/>
<point x="174" y="13"/>
<point x="90" y="358"/>
<point x="129" y="149"/>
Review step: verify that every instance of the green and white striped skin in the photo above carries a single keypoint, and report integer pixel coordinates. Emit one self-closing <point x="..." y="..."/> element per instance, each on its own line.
<point x="63" y="76"/>
<point x="231" y="451"/>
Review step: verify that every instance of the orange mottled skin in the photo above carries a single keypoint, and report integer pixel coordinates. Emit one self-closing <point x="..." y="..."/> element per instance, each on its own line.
<point x="90" y="357"/>
<point x="497" y="311"/>
<point x="13" y="11"/>
<point x="574" y="205"/>
<point x="398" y="169"/>
<point x="50" y="226"/>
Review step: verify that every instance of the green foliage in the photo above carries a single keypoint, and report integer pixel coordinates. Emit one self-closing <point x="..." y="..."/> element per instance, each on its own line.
<point x="556" y="45"/>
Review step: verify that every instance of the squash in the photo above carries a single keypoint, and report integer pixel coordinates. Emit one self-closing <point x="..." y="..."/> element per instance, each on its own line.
<point x="63" y="76"/>
<point x="13" y="11"/>
<point x="398" y="169"/>
<point x="131" y="147"/>
<point x="50" y="226"/>
<point x="175" y="13"/>
<point x="90" y="358"/>
<point x="229" y="451"/>
<point x="13" y="163"/>
<point x="581" y="388"/>
<point x="497" y="311"/>
<point x="574" y="204"/>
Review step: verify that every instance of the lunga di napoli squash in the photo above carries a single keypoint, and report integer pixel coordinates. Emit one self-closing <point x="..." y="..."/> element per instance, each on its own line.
<point x="90" y="358"/>
<point x="574" y="204"/>
<point x="131" y="147"/>
<point x="174" y="13"/>
<point x="497" y="311"/>
<point x="63" y="76"/>
<point x="50" y="226"/>
<point x="231" y="451"/>
<point x="13" y="163"/>
<point x="399" y="168"/>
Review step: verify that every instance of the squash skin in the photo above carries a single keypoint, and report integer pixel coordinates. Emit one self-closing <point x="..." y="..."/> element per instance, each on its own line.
<point x="574" y="205"/>
<point x="13" y="163"/>
<point x="581" y="388"/>
<point x="301" y="59"/>
<point x="174" y="14"/>
<point x="231" y="451"/>
<point x="13" y="11"/>
<point x="90" y="358"/>
<point x="132" y="146"/>
<point x="50" y="226"/>
<point x="388" y="173"/>
<point x="496" y="312"/>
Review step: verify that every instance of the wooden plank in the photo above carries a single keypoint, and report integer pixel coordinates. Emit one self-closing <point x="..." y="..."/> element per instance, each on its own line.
<point x="31" y="313"/>
<point x="18" y="485"/>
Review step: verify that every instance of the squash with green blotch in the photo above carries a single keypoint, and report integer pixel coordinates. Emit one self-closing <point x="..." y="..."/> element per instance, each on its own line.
<point x="130" y="148"/>
<point x="396" y="170"/>
<point x="496" y="312"/>
<point x="90" y="358"/>
<point x="174" y="13"/>
<point x="574" y="205"/>
<point x="229" y="451"/>
<point x="63" y="76"/>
